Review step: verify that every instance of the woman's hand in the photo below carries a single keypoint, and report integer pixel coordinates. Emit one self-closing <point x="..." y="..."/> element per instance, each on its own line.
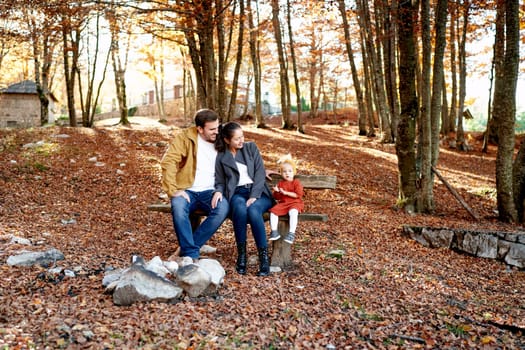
<point x="217" y="197"/>
<point x="269" y="173"/>
<point x="250" y="201"/>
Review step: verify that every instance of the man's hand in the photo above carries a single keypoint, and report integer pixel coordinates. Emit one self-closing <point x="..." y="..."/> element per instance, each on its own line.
<point x="183" y="194"/>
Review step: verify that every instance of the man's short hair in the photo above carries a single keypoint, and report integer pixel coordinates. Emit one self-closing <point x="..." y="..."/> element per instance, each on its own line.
<point x="204" y="116"/>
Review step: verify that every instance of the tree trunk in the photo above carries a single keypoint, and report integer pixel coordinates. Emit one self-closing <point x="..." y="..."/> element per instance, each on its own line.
<point x="222" y="66"/>
<point x="450" y="126"/>
<point x="312" y="74"/>
<point x="42" y="71"/>
<point x="369" y="101"/>
<point x="386" y="15"/>
<point x="518" y="174"/>
<point x="425" y="122"/>
<point x="355" y="77"/>
<point x="487" y="133"/>
<point x="504" y="110"/>
<point x="283" y="75"/>
<point x="120" y="83"/>
<point x="377" y="73"/>
<point x="89" y="102"/>
<point x="69" y="72"/>
<point x="159" y="79"/>
<point x="409" y="107"/>
<point x="460" y="135"/>
<point x="445" y="117"/>
<point x="437" y="85"/>
<point x="256" y="64"/>
<point x="294" y="68"/>
<point x="201" y="50"/>
<point x="240" y="41"/>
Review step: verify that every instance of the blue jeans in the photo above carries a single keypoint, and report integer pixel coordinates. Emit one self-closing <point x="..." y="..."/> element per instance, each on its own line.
<point x="253" y="215"/>
<point x="190" y="242"/>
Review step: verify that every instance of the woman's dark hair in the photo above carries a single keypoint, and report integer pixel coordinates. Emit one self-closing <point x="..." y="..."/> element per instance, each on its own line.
<point x="204" y="116"/>
<point x="225" y="133"/>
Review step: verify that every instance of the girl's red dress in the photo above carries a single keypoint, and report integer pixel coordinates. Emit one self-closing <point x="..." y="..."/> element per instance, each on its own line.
<point x="285" y="203"/>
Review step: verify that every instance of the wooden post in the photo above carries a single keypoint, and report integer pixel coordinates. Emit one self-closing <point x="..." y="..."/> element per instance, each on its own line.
<point x="456" y="195"/>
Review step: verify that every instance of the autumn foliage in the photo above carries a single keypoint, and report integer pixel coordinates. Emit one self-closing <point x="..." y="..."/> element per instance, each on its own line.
<point x="384" y="292"/>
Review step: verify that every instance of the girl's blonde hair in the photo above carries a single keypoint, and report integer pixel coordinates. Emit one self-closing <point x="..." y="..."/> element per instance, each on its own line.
<point x="287" y="159"/>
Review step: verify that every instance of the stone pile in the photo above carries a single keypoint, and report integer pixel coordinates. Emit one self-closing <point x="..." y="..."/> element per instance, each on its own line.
<point x="148" y="281"/>
<point x="143" y="281"/>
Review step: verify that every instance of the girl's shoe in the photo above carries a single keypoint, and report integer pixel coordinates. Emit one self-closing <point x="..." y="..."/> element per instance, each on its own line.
<point x="274" y="235"/>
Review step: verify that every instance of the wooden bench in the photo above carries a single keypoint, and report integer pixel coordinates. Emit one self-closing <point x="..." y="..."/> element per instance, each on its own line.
<point x="281" y="253"/>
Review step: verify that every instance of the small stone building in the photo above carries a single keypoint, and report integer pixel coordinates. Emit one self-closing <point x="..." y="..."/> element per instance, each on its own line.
<point x="20" y="106"/>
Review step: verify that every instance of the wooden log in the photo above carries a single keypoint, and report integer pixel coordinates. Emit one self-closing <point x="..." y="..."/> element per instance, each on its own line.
<point x="456" y="195"/>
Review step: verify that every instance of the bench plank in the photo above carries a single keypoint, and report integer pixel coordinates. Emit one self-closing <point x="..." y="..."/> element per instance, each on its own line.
<point x="311" y="181"/>
<point x="166" y="208"/>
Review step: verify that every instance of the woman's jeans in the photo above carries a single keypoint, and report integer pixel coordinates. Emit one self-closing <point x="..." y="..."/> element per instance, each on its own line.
<point x="190" y="242"/>
<point x="253" y="215"/>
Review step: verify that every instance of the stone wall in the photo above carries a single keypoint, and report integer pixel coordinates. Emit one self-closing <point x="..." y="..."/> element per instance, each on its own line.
<point x="173" y="108"/>
<point x="505" y="246"/>
<point x="19" y="110"/>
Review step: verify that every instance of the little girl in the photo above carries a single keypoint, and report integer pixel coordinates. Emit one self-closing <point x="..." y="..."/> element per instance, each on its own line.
<point x="288" y="193"/>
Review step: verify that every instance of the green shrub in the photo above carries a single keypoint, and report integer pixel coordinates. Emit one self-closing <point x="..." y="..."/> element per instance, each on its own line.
<point x="132" y="111"/>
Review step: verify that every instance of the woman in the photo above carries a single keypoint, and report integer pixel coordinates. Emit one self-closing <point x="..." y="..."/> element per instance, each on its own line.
<point x="240" y="177"/>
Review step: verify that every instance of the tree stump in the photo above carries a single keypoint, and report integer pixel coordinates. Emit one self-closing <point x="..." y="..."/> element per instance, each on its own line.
<point x="282" y="251"/>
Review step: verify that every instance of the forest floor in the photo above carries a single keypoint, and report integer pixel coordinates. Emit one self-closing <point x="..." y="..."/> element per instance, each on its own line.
<point x="86" y="195"/>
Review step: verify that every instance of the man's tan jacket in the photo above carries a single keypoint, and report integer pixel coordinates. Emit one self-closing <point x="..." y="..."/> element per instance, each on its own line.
<point x="179" y="163"/>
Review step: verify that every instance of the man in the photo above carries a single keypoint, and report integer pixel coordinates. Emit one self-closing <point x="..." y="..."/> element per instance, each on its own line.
<point x="188" y="177"/>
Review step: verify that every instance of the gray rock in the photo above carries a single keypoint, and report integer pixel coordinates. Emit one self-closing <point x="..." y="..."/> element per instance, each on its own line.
<point x="438" y="239"/>
<point x="214" y="269"/>
<point x="207" y="249"/>
<point x="516" y="255"/>
<point x="20" y="240"/>
<point x="336" y="253"/>
<point x="111" y="276"/>
<point x="55" y="271"/>
<point x="137" y="284"/>
<point x="417" y="236"/>
<point x="275" y="269"/>
<point x="487" y="246"/>
<point x="172" y="266"/>
<point x="482" y="245"/>
<point x="512" y="237"/>
<point x="156" y="265"/>
<point x="36" y="258"/>
<point x="503" y="249"/>
<point x="193" y="279"/>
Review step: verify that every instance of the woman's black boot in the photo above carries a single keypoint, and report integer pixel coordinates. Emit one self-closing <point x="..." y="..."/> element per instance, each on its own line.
<point x="241" y="259"/>
<point x="264" y="263"/>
